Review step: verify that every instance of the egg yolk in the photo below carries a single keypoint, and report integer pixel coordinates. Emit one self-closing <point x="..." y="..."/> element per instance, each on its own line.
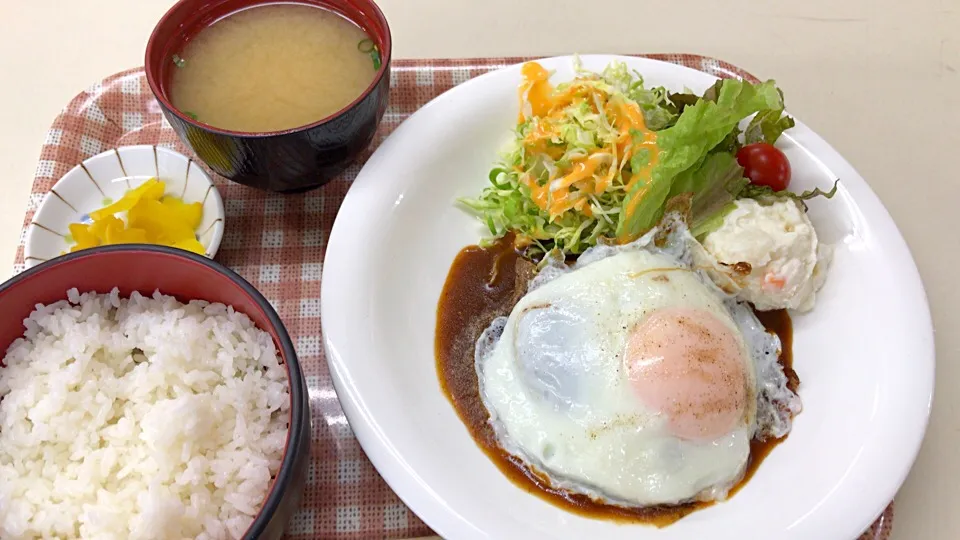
<point x="689" y="366"/>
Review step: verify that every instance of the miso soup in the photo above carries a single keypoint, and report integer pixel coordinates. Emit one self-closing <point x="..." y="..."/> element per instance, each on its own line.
<point x="273" y="67"/>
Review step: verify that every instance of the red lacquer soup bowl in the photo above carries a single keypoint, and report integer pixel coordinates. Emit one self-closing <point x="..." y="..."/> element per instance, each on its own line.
<point x="292" y="160"/>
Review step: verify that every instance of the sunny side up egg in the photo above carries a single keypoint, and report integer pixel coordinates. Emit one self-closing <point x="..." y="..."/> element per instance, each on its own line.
<point x="631" y="380"/>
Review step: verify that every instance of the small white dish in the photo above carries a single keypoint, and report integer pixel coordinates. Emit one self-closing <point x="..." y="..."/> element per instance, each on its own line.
<point x="104" y="178"/>
<point x="864" y="355"/>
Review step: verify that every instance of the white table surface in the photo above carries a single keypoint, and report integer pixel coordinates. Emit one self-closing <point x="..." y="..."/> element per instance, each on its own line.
<point x="878" y="79"/>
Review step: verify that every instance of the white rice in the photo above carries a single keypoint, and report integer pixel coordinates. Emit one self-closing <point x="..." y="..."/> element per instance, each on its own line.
<point x="100" y="441"/>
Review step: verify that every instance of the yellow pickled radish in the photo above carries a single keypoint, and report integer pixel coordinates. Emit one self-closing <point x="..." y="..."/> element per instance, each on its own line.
<point x="113" y="232"/>
<point x="154" y="192"/>
<point x="125" y="236"/>
<point x="83" y="237"/>
<point x="187" y="213"/>
<point x="135" y="236"/>
<point x="99" y="227"/>
<point x="151" y="217"/>
<point x="191" y="244"/>
<point x="159" y="221"/>
<point x="129" y="199"/>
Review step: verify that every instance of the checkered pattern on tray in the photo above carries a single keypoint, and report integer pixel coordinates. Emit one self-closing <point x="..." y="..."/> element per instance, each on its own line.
<point x="277" y="242"/>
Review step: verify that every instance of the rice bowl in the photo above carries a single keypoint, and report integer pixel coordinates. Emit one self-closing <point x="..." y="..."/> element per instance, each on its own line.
<point x="131" y="416"/>
<point x="87" y="446"/>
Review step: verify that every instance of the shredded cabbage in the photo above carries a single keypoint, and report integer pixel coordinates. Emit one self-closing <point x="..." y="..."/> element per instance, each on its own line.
<point x="596" y="159"/>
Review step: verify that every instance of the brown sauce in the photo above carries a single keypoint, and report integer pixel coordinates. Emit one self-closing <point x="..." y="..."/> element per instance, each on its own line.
<point x="485" y="283"/>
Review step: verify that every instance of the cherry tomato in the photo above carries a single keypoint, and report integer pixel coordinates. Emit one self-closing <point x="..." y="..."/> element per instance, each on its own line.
<point x="765" y="165"/>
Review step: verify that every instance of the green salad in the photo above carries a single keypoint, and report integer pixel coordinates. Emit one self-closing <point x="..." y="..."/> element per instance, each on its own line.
<point x="598" y="158"/>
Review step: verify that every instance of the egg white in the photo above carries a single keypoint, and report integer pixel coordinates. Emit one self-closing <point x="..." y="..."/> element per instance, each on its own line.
<point x="551" y="377"/>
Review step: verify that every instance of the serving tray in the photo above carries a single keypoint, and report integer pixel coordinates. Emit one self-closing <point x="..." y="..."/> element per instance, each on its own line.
<point x="277" y="242"/>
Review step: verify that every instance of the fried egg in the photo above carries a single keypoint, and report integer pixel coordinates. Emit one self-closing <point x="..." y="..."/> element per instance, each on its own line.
<point x="631" y="379"/>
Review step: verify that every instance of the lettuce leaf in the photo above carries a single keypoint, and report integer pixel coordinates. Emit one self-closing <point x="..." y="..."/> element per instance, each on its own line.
<point x="766" y="195"/>
<point x="706" y="226"/>
<point x="685" y="145"/>
<point x="767" y="126"/>
<point x="679" y="101"/>
<point x="715" y="184"/>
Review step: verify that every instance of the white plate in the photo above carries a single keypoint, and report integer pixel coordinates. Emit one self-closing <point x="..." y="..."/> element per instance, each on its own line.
<point x="104" y="178"/>
<point x="864" y="354"/>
